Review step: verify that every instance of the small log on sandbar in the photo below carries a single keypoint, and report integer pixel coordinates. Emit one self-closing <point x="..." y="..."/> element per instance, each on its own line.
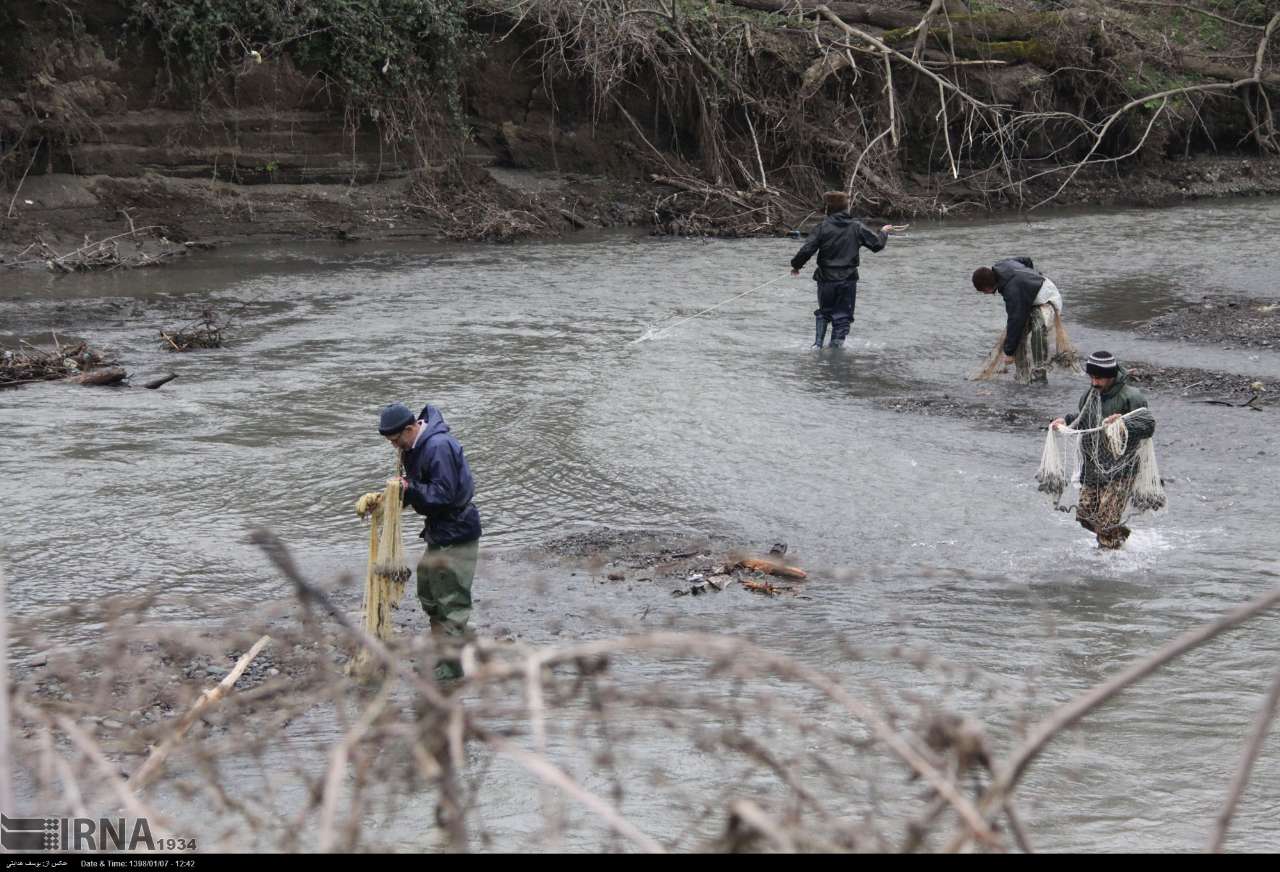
<point x="771" y="568"/>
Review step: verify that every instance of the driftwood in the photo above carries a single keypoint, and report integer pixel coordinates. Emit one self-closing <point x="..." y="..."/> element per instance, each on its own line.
<point x="204" y="332"/>
<point x="107" y="375"/>
<point x="573" y="219"/>
<point x="769" y="567"/>
<point x="29" y="364"/>
<point x="207" y="699"/>
<point x="157" y="382"/>
<point x="763" y="587"/>
<point x="854" y="13"/>
<point x="105" y="254"/>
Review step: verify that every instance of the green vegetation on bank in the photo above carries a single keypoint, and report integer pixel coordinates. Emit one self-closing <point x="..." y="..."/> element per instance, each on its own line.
<point x="396" y="61"/>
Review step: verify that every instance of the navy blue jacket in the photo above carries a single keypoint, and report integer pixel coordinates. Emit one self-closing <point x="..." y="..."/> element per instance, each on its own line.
<point x="1018" y="282"/>
<point x="836" y="241"/>
<point x="440" y="484"/>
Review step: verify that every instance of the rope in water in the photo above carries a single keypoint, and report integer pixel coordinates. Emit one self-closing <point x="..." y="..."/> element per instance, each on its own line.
<point x="652" y="334"/>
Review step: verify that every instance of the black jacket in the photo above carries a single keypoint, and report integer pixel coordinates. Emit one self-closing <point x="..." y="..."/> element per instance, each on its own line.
<point x="440" y="484"/>
<point x="836" y="241"/>
<point x="1018" y="282"/>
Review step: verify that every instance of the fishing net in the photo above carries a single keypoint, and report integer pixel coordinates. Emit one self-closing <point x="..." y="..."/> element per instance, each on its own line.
<point x="387" y="569"/>
<point x="1116" y="475"/>
<point x="1029" y="357"/>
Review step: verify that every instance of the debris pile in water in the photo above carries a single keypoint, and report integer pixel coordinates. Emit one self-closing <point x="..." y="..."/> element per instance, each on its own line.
<point x="205" y="332"/>
<point x="29" y="363"/>
<point x="749" y="572"/>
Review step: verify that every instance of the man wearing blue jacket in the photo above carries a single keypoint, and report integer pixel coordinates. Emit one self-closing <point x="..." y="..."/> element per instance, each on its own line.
<point x="437" y="483"/>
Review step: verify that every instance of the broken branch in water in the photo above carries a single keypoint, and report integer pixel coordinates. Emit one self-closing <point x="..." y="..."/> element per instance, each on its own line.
<point x="204" y="332"/>
<point x="207" y="699"/>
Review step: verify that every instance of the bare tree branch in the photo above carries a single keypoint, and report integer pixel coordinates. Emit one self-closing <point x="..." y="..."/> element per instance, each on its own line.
<point x="1008" y="774"/>
<point x="1252" y="748"/>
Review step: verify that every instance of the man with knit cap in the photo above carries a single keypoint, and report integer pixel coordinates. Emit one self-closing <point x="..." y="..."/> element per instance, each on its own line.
<point x="1106" y="478"/>
<point x="437" y="482"/>
<point x="836" y="242"/>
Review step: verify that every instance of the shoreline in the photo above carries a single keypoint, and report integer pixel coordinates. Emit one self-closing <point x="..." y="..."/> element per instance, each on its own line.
<point x="150" y="219"/>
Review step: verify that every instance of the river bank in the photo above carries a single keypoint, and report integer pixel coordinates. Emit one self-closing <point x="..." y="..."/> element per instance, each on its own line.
<point x="172" y="125"/>
<point x="154" y="215"/>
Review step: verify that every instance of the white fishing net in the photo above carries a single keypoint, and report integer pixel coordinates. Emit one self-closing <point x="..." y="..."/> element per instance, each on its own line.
<point x="1046" y="316"/>
<point x="1102" y="456"/>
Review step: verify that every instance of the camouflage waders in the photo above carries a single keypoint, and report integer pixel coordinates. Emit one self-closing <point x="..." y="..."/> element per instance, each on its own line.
<point x="1031" y="362"/>
<point x="445" y="573"/>
<point x="1101" y="509"/>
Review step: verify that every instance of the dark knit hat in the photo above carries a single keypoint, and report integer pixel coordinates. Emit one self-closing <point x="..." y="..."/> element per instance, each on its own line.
<point x="836" y="200"/>
<point x="394" y="418"/>
<point x="1103" y="364"/>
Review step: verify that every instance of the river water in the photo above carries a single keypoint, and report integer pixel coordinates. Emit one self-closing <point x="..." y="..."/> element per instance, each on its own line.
<point x="926" y="531"/>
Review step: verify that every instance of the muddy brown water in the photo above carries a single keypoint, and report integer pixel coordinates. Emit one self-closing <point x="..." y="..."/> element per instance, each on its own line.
<point x="922" y="530"/>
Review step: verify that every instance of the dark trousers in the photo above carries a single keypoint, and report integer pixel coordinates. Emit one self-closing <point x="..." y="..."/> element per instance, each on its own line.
<point x="835" y="306"/>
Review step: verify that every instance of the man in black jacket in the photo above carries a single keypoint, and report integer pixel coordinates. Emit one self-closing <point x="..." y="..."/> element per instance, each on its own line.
<point x="1032" y="303"/>
<point x="836" y="241"/>
<point x="437" y="483"/>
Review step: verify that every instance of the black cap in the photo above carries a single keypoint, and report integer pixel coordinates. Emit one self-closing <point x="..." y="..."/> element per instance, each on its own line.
<point x="394" y="418"/>
<point x="1103" y="364"/>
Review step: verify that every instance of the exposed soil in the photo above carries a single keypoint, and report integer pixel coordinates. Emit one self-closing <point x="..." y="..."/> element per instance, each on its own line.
<point x="1233" y="322"/>
<point x="1012" y="418"/>
<point x="1222" y="388"/>
<point x="62" y="210"/>
<point x="1219" y="387"/>
<point x="687" y="568"/>
<point x="91" y="138"/>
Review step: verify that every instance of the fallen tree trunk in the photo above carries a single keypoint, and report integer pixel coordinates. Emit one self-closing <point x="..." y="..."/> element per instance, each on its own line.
<point x="107" y="375"/>
<point x="994" y="27"/>
<point x="1224" y="73"/>
<point x="854" y="13"/>
<point x="900" y="24"/>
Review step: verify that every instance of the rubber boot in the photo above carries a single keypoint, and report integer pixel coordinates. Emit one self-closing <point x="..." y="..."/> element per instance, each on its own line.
<point x="820" y="331"/>
<point x="447" y="669"/>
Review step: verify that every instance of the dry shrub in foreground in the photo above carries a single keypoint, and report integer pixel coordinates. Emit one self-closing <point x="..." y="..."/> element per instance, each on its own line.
<point x="653" y="742"/>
